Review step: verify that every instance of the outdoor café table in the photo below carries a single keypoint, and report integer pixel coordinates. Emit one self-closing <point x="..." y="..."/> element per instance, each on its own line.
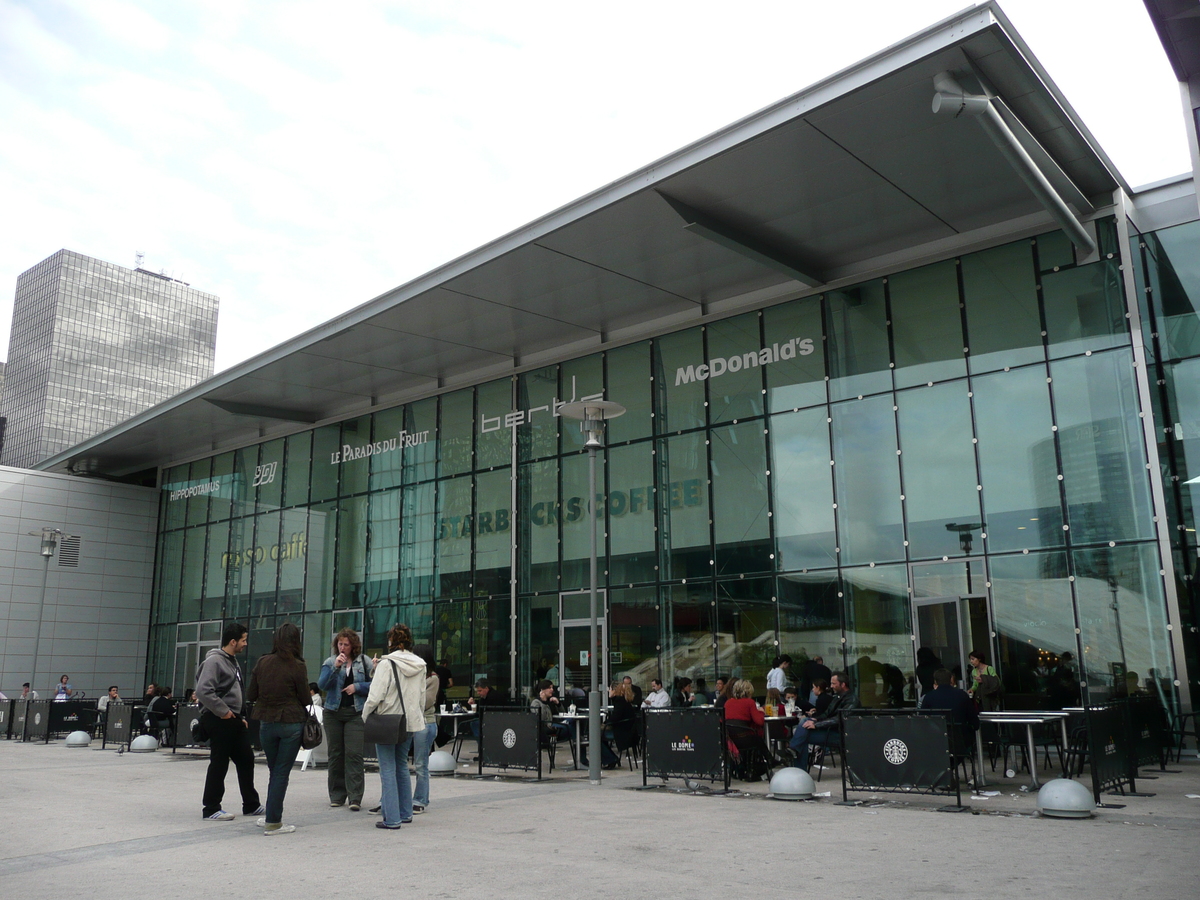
<point x="784" y="721"/>
<point x="456" y="722"/>
<point x="577" y="717"/>
<point x="1028" y="718"/>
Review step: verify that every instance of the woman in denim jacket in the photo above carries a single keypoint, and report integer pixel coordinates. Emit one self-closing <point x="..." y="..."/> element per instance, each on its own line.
<point x="346" y="680"/>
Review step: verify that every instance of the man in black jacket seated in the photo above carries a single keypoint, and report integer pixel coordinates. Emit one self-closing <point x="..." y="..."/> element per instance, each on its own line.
<point x="824" y="728"/>
<point x="958" y="702"/>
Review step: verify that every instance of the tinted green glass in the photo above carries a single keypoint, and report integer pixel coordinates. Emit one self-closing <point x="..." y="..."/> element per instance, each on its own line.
<point x="383" y="558"/>
<point x="491" y="639"/>
<point x="200" y="474"/>
<point x="216" y="562"/>
<point x="168" y="579"/>
<point x="938" y="465"/>
<point x="631" y="514"/>
<point x="241" y="564"/>
<point x="879" y="651"/>
<point x="1085" y="308"/>
<point x="192" y="586"/>
<point x="1174" y="281"/>
<point x="581" y="379"/>
<point x="456" y="430"/>
<point x="629" y="384"/>
<point x="633" y="634"/>
<point x="1016" y="460"/>
<point x="493" y="447"/>
<point x="802" y="480"/>
<point x="297" y="467"/>
<point x="679" y="393"/>
<point x="268" y="476"/>
<point x="538" y="545"/>
<point x="796" y="375"/>
<point x="927" y="324"/>
<point x="738" y="392"/>
<point x="740" y="500"/>
<point x="688" y="613"/>
<point x="420" y="425"/>
<point x="293" y="556"/>
<point x="810" y="618"/>
<point x="493" y="532"/>
<point x="745" y="630"/>
<point x="1054" y="251"/>
<point x="1104" y="462"/>
<point x="418" y="539"/>
<point x="356" y="451"/>
<point x="455" y="534"/>
<point x="1035" y="626"/>
<point x="264" y="593"/>
<point x="536" y="393"/>
<point x="867" y="480"/>
<point x="351" y="553"/>
<point x="326" y="462"/>
<point x="856" y="323"/>
<point x="387" y="466"/>
<point x="1003" y="322"/>
<point x="575" y="517"/>
<point x="684" y="507"/>
<point x="175" y="479"/>
<point x="322" y="550"/>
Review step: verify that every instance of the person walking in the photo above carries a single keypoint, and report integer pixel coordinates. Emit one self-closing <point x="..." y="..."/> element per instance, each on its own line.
<point x="219" y="690"/>
<point x="346" y="679"/>
<point x="279" y="692"/>
<point x="398" y="687"/>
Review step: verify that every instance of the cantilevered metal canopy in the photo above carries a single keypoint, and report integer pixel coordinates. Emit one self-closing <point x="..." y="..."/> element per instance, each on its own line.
<point x="846" y="178"/>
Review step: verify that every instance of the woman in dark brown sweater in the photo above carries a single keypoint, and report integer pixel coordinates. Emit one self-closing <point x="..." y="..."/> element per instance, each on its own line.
<point x="279" y="692"/>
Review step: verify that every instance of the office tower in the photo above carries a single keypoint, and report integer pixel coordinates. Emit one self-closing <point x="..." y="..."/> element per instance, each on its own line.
<point x="93" y="344"/>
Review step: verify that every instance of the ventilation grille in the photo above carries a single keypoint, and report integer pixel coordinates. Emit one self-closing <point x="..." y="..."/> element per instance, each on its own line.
<point x="68" y="551"/>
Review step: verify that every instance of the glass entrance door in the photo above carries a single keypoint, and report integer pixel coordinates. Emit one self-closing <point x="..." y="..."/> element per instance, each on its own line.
<point x="951" y="627"/>
<point x="574" y="637"/>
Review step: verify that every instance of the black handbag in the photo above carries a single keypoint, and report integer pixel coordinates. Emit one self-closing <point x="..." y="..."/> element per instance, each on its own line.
<point x="389" y="729"/>
<point x="311" y="735"/>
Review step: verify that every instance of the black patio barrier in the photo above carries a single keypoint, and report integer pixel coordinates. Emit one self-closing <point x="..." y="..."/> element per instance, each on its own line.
<point x="1110" y="748"/>
<point x="898" y="751"/>
<point x="510" y="739"/>
<point x="6" y="710"/>
<point x="1148" y="729"/>
<point x="184" y="717"/>
<point x="37" y="720"/>
<point x="118" y="725"/>
<point x="70" y="715"/>
<point x="685" y="743"/>
<point x="20" y="710"/>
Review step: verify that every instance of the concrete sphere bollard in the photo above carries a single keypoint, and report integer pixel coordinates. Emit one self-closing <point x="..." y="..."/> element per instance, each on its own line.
<point x="790" y="783"/>
<point x="78" y="739"/>
<point x="1063" y="798"/>
<point x="145" y="743"/>
<point x="441" y="762"/>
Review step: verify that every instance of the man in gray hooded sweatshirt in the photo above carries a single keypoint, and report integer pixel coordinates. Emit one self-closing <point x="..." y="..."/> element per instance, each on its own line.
<point x="219" y="690"/>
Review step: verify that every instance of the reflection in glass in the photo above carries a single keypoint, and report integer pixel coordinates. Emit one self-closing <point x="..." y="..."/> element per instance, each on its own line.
<point x="354" y="469"/>
<point x="538" y="438"/>
<point x="879" y="649"/>
<point x="197" y="506"/>
<point x="680" y="398"/>
<point x="938" y="462"/>
<point x="494" y="446"/>
<point x="1018" y="469"/>
<point x="737" y="393"/>
<point x="351" y="553"/>
<point x="193" y="574"/>
<point x="802" y="481"/>
<point x="629" y="384"/>
<point x="858" y="341"/>
<point x="739" y="498"/>
<point x="797" y="379"/>
<point x="493" y="532"/>
<point x="684" y="507"/>
<point x="322" y="545"/>
<point x="326" y="451"/>
<point x="268" y="475"/>
<point x="575" y="516"/>
<point x="383" y="558"/>
<point x="296" y="469"/>
<point x="418" y="537"/>
<point x="745" y="632"/>
<point x="868" y="481"/>
<point x="687" y="632"/>
<point x="810" y="619"/>
<point x="216" y="561"/>
<point x="633" y="634"/>
<point x="538" y="544"/>
<point x="580" y="378"/>
<point x="387" y="468"/>
<point x="631" y="514"/>
<point x="455" y="432"/>
<point x="454" y="538"/>
<point x="1175" y="288"/>
<point x="1104" y="462"/>
<point x="1085" y="308"/>
<point x="927" y="324"/>
<point x="1002" y="310"/>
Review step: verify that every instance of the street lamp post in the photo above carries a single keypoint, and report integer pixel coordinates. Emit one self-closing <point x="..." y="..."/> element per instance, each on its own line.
<point x="592" y="414"/>
<point x="50" y="538"/>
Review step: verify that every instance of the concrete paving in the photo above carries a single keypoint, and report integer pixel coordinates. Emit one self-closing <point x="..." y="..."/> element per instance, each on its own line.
<point x="94" y="823"/>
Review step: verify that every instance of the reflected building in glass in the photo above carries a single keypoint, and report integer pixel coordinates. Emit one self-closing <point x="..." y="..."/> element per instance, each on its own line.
<point x="94" y="344"/>
<point x="867" y="413"/>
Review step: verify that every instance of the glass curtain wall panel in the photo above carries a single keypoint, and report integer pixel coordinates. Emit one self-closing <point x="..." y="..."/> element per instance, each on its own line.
<point x="737" y="393"/>
<point x="1054" y="250"/>
<point x="326" y="450"/>
<point x="174" y="512"/>
<point x="745" y="631"/>
<point x="802" y="484"/>
<point x="493" y="532"/>
<point x="1036" y="647"/>
<point x="418" y="538"/>
<point x="351" y="553"/>
<point x="1183" y="392"/>
<point x="1122" y="619"/>
<point x="241" y="562"/>
<point x="491" y="639"/>
<point x="867" y="481"/>
<point x="879" y="651"/>
<point x="293" y="557"/>
<point x="538" y="543"/>
<point x="197" y="506"/>
<point x="455" y="534"/>
<point x="297" y="467"/>
<point x="245" y="461"/>
<point x="322" y="549"/>
<point x="633" y="634"/>
<point x="383" y="553"/>
<point x="494" y="446"/>
<point x="629" y="374"/>
<point x="268" y="476"/>
<point x="221" y="501"/>
<point x="421" y="457"/>
<point x="857" y="345"/>
<point x="264" y="593"/>
<point x="452" y="642"/>
<point x="387" y="466"/>
<point x="536" y="393"/>
<point x="1103" y="457"/>
<point x="631" y="514"/>
<point x="353" y="462"/>
<point x="810" y="619"/>
<point x="455" y="432"/>
<point x="216" y="563"/>
<point x="575" y="517"/>
<point x="680" y="394"/>
<point x="1175" y="288"/>
<point x="1003" y="322"/>
<point x="580" y="378"/>
<point x="688" y="644"/>
<point x="941" y="496"/>
<point x="795" y="334"/>
<point x="740" y="498"/>
<point x="684" y="511"/>
<point x="1017" y="463"/>
<point x="927" y="324"/>
<point x="1085" y="308"/>
<point x="192" y="586"/>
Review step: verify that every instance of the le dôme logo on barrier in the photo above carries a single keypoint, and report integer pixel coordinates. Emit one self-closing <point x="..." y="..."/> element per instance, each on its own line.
<point x="686" y="745"/>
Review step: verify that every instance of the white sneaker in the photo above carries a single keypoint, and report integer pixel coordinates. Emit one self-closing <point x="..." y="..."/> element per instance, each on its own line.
<point x="220" y="816"/>
<point x="280" y="829"/>
<point x="261" y="821"/>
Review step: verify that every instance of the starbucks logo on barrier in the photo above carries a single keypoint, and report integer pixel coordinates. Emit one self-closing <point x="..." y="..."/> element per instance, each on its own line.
<point x="895" y="751"/>
<point x="510" y="738"/>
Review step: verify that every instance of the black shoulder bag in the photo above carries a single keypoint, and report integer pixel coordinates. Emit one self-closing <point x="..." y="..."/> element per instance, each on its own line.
<point x="390" y="729"/>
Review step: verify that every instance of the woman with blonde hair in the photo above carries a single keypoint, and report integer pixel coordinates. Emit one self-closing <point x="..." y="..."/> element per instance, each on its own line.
<point x="398" y="687"/>
<point x="345" y="678"/>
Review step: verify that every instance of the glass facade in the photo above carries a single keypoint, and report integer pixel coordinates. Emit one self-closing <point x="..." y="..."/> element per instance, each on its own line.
<point x="791" y="479"/>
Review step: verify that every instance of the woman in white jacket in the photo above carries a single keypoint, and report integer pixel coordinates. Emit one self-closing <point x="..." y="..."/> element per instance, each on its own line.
<point x="398" y="686"/>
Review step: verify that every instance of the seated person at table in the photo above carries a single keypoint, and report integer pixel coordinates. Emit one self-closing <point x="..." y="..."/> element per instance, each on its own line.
<point x="775" y="701"/>
<point x="484" y="696"/>
<point x="824" y="728"/>
<point x="742" y="708"/>
<point x="682" y="694"/>
<point x="820" y="690"/>
<point x="102" y="703"/>
<point x="726" y="692"/>
<point x="718" y="687"/>
<point x="546" y="706"/>
<point x="634" y="689"/>
<point x="657" y="698"/>
<point x="791" y="699"/>
<point x="621" y="727"/>
<point x="963" y="712"/>
<point x="161" y="713"/>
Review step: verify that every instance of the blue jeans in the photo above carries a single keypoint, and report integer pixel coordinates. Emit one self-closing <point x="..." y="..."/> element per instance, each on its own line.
<point x="805" y="738"/>
<point x="422" y="747"/>
<point x="281" y="744"/>
<point x="395" y="786"/>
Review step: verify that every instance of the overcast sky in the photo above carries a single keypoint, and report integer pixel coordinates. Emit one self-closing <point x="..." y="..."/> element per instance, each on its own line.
<point x="299" y="158"/>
